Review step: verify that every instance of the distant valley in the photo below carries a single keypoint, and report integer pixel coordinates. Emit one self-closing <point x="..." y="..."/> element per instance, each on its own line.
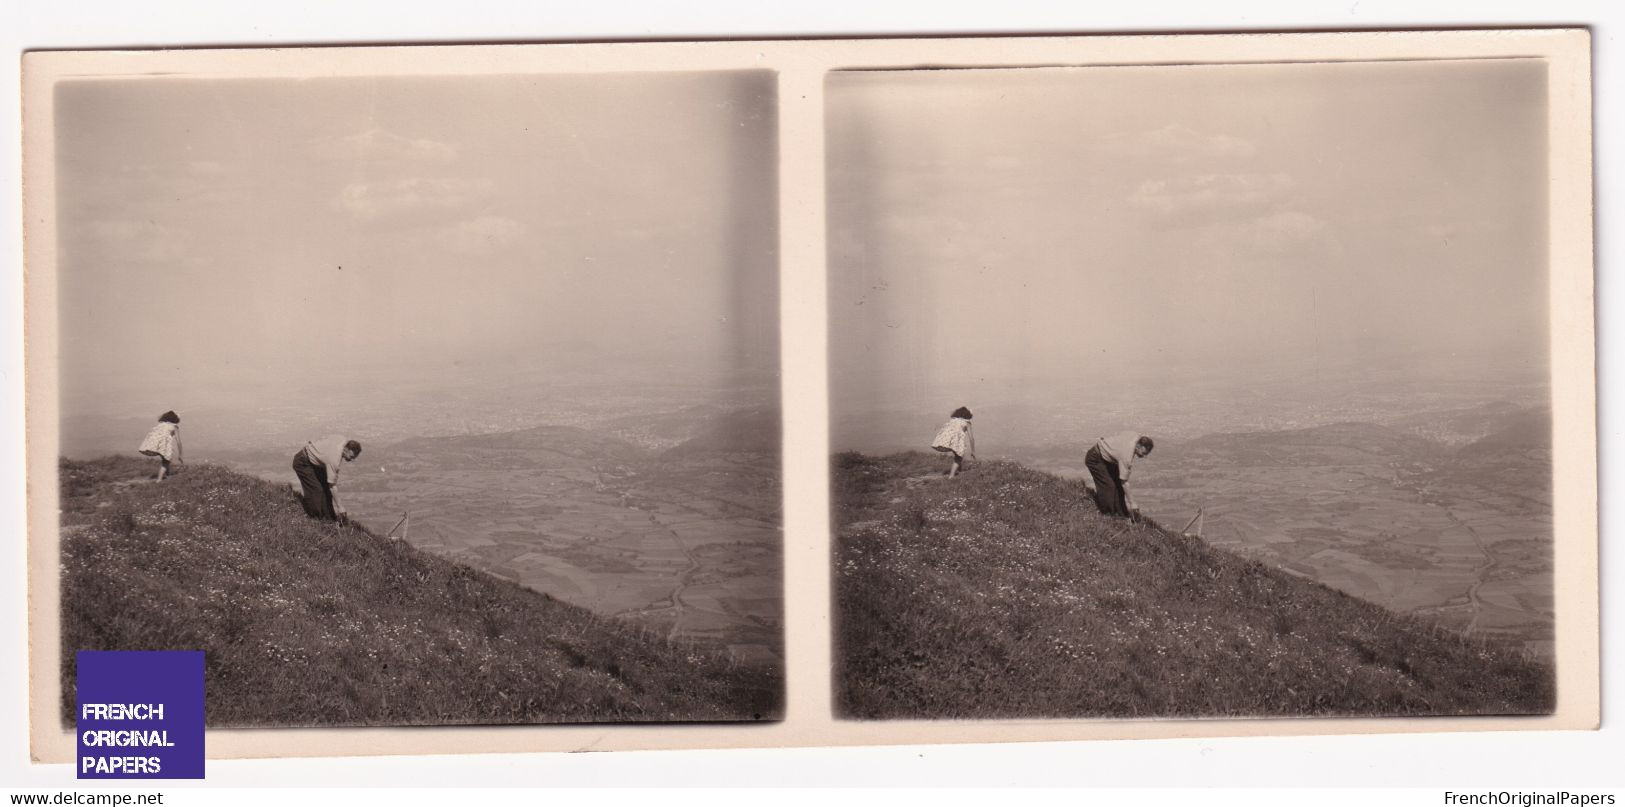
<point x="669" y="519"/>
<point x="1444" y="514"/>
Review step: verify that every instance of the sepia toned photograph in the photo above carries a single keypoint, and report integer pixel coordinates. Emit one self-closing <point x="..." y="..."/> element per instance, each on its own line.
<point x="602" y="396"/>
<point x="1191" y="391"/>
<point x="424" y="400"/>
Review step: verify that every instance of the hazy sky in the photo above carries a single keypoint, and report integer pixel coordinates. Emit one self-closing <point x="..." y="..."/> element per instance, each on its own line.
<point x="237" y="232"/>
<point x="1065" y="223"/>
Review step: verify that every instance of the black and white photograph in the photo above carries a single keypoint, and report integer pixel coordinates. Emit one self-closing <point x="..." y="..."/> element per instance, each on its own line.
<point x="497" y="402"/>
<point x="1191" y="391"/>
<point x="424" y="400"/>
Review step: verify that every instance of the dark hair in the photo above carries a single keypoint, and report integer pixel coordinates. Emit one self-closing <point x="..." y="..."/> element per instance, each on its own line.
<point x="962" y="412"/>
<point x="351" y="445"/>
<point x="169" y="417"/>
<point x="1147" y="442"/>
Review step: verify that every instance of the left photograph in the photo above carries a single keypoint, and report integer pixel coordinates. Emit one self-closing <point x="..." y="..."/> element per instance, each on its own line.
<point x="443" y="400"/>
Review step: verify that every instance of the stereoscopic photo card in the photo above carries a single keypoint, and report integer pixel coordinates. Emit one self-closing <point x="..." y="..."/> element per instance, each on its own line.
<point x="464" y="399"/>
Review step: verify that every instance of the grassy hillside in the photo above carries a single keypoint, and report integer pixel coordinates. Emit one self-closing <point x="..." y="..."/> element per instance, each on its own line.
<point x="305" y="623"/>
<point x="754" y="431"/>
<point x="1004" y="594"/>
<point x="1525" y="431"/>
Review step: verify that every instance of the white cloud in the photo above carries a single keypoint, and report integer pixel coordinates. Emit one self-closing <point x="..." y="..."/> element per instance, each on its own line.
<point x="205" y="184"/>
<point x="375" y="200"/>
<point x="1211" y="195"/>
<point x="1291" y="224"/>
<point x="132" y="240"/>
<point x="1281" y="231"/>
<point x="479" y="236"/>
<point x="118" y="229"/>
<point x="377" y="144"/>
<point x="1452" y="230"/>
<point x="1175" y="143"/>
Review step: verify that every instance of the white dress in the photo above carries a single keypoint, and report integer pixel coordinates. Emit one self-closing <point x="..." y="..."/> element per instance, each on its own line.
<point x="953" y="436"/>
<point x="163" y="441"/>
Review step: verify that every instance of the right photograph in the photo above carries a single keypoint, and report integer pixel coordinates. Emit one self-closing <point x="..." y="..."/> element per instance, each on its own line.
<point x="1191" y="391"/>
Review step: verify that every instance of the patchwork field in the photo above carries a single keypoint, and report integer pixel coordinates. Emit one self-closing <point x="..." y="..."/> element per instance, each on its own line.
<point x="685" y="543"/>
<point x="1460" y="536"/>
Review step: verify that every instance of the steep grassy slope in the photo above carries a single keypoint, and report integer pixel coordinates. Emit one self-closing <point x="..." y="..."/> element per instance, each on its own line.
<point x="1003" y="594"/>
<point x="305" y="623"/>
